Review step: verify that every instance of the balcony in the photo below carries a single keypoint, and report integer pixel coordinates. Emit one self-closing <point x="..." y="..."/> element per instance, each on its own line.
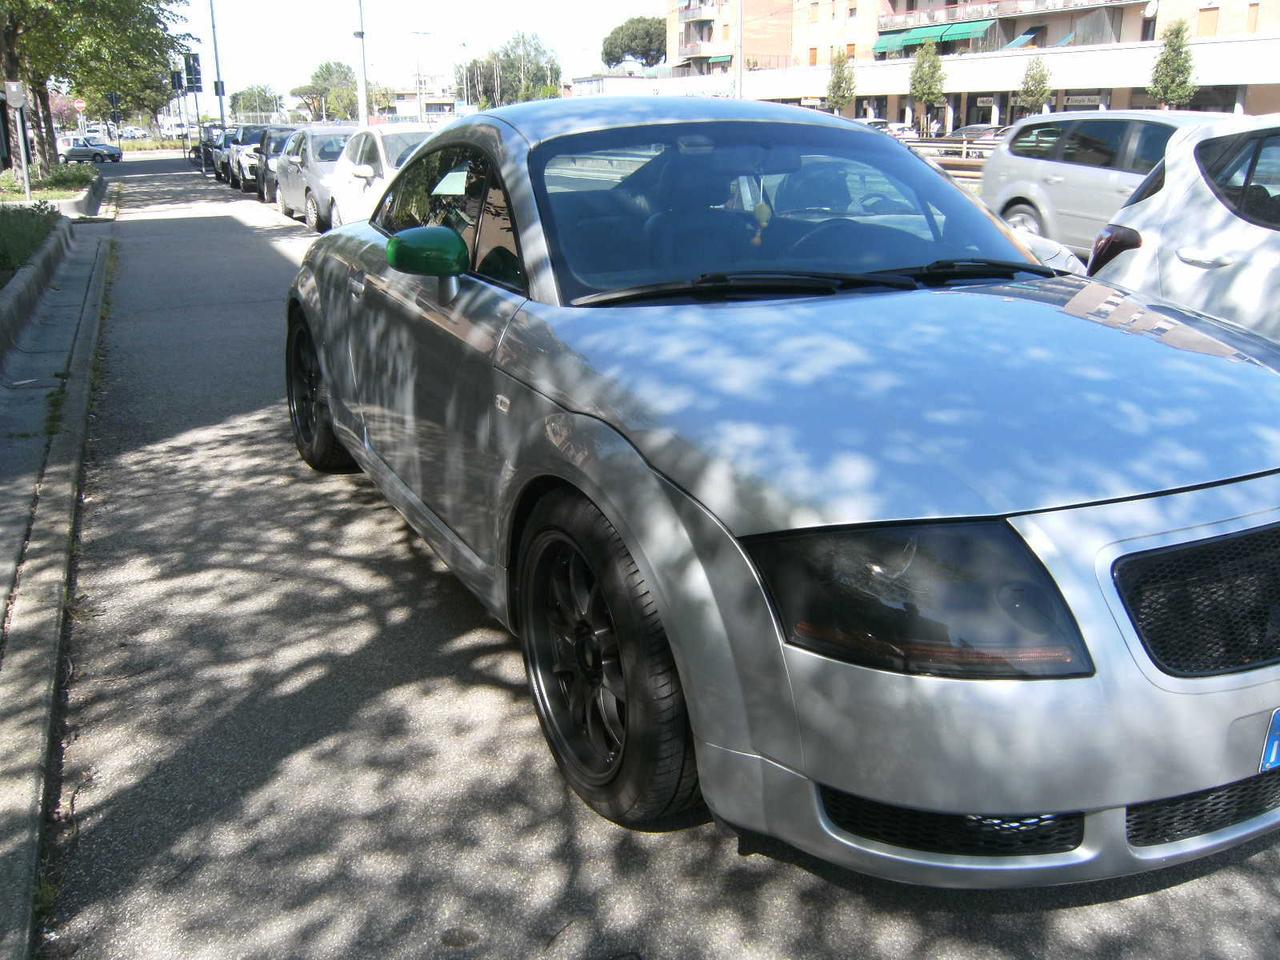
<point x="697" y="11"/>
<point x="993" y="9"/>
<point x="705" y="48"/>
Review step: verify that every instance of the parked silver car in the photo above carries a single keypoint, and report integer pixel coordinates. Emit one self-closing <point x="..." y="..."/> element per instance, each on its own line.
<point x="1064" y="174"/>
<point x="303" y="171"/>
<point x="807" y="490"/>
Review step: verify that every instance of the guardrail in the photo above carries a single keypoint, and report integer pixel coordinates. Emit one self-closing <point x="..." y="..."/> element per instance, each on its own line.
<point x="963" y="159"/>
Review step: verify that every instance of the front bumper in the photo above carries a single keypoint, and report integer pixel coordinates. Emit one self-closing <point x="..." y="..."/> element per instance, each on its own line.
<point x="1095" y="746"/>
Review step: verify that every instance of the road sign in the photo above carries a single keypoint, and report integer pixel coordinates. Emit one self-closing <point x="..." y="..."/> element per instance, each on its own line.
<point x="16" y="94"/>
<point x="191" y="62"/>
<point x="79" y="105"/>
<point x="175" y="79"/>
<point x="219" y="88"/>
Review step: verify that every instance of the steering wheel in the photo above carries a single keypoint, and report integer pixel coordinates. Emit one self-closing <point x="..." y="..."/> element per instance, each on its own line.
<point x="819" y="241"/>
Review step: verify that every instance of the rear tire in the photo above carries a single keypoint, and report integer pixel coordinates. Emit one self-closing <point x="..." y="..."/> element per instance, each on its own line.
<point x="246" y="186"/>
<point x="335" y="215"/>
<point x="309" y="413"/>
<point x="315" y="222"/>
<point x="283" y="207"/>
<point x="232" y="179"/>
<point x="1023" y="216"/>
<point x="600" y="669"/>
<point x="217" y="174"/>
<point x="98" y="158"/>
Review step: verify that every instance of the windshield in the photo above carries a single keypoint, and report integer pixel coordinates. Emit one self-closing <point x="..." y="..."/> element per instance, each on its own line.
<point x="327" y="147"/>
<point x="400" y="146"/>
<point x="664" y="203"/>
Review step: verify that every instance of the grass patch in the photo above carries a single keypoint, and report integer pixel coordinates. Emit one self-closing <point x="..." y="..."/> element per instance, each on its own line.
<point x="63" y="182"/>
<point x="22" y="230"/>
<point x="129" y="146"/>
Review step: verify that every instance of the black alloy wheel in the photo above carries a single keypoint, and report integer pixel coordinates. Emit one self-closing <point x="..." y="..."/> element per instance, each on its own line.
<point x="309" y="405"/>
<point x="600" y="669"/>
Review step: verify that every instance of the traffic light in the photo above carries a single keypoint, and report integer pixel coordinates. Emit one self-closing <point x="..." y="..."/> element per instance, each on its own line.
<point x="116" y="117"/>
<point x="114" y="100"/>
<point x="194" y="80"/>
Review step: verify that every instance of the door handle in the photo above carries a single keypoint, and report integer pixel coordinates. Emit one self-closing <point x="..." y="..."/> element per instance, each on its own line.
<point x="1202" y="258"/>
<point x="355" y="285"/>
<point x="1053" y="179"/>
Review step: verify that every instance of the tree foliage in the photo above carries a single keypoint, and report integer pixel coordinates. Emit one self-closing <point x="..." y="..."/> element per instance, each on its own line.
<point x="927" y="80"/>
<point x="521" y="69"/>
<point x="331" y="92"/>
<point x="840" y="87"/>
<point x="1036" y="86"/>
<point x="1172" y="82"/>
<point x="640" y="38"/>
<point x="258" y="98"/>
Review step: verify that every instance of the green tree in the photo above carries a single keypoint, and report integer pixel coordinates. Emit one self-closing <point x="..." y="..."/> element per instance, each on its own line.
<point x="640" y="38"/>
<point x="1036" y="87"/>
<point x="381" y="99"/>
<point x="927" y="81"/>
<point x="1172" y="84"/>
<point x="840" y="87"/>
<point x="331" y="92"/>
<point x="521" y="69"/>
<point x="258" y="98"/>
<point x="312" y="97"/>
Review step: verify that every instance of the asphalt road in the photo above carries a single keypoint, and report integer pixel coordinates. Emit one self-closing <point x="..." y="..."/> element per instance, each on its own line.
<point x="292" y="734"/>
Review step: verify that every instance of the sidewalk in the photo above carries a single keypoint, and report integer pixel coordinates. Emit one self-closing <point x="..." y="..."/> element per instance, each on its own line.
<point x="44" y="394"/>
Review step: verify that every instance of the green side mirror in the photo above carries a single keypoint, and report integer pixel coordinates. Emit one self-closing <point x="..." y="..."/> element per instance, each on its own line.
<point x="428" y="252"/>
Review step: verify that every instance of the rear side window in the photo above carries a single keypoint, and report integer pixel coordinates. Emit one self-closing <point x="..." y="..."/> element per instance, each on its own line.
<point x="1148" y="146"/>
<point x="1246" y="177"/>
<point x="1149" y="187"/>
<point x="1095" y="143"/>
<point x="1038" y="141"/>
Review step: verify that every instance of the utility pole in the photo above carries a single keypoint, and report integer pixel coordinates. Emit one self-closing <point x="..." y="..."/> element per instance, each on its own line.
<point x="737" y="51"/>
<point x="217" y="70"/>
<point x="363" y="85"/>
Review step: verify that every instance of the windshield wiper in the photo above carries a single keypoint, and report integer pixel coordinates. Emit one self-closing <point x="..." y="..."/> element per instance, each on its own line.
<point x="754" y="281"/>
<point x="977" y="268"/>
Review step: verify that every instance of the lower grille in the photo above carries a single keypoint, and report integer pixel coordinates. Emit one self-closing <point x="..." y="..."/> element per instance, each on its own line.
<point x="1194" y="814"/>
<point x="978" y="835"/>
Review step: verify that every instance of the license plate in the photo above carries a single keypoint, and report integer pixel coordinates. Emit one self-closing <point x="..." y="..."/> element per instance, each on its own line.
<point x="1271" y="749"/>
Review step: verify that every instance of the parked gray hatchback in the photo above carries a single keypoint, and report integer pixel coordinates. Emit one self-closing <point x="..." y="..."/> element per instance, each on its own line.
<point x="1063" y="175"/>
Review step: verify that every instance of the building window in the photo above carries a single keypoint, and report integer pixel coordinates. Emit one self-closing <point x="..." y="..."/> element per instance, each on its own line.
<point x="848" y="50"/>
<point x="813" y="13"/>
<point x="1207" y="23"/>
<point x="1149" y="28"/>
<point x="813" y="56"/>
<point x="1253" y="18"/>
<point x="853" y="12"/>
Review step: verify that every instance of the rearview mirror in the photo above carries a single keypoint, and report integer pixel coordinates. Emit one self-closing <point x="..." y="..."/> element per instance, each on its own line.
<point x="296" y="161"/>
<point x="428" y="252"/>
<point x="363" y="171"/>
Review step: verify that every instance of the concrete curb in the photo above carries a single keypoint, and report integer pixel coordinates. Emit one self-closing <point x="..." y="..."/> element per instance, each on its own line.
<point x="85" y="205"/>
<point x="19" y="296"/>
<point x="32" y="639"/>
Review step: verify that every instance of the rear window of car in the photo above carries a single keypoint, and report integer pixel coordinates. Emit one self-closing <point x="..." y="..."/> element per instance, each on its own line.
<point x="1037" y="141"/>
<point x="1244" y="173"/>
<point x="1095" y="143"/>
<point x="1149" y="187"/>
<point x="1148" y="146"/>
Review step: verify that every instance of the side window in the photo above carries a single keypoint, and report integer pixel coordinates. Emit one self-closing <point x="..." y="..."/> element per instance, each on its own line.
<point x="442" y="188"/>
<point x="1095" y="143"/>
<point x="294" y="147"/>
<point x="1248" y="182"/>
<point x="354" y="148"/>
<point x="368" y="153"/>
<point x="1148" y="146"/>
<point x="497" y="252"/>
<point x="1036" y="141"/>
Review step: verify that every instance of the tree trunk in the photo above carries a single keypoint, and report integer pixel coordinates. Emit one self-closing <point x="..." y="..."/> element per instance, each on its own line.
<point x="9" y="67"/>
<point x="46" y="139"/>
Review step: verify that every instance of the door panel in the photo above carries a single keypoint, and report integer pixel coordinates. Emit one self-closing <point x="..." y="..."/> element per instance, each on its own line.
<point x="1088" y="187"/>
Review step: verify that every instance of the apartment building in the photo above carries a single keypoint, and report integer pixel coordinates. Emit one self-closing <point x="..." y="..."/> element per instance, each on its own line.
<point x="1099" y="52"/>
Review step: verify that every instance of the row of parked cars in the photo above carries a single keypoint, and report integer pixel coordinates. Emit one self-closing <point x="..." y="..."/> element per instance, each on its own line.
<point x="1184" y="205"/>
<point x="329" y="174"/>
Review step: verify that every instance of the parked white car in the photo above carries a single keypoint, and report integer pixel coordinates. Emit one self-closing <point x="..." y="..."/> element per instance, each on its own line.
<point x="1064" y="175"/>
<point x="1203" y="230"/>
<point x="368" y="162"/>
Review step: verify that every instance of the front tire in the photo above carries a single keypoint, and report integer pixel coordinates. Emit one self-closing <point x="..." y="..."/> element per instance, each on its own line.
<point x="1023" y="216"/>
<point x="309" y="412"/>
<point x="600" y="668"/>
<point x="312" y="212"/>
<point x="98" y="158"/>
<point x="232" y="179"/>
<point x="335" y="215"/>
<point x="283" y="207"/>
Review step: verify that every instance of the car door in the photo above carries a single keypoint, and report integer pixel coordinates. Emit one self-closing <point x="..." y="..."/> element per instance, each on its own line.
<point x="371" y="188"/>
<point x="1088" y="185"/>
<point x="423" y="347"/>
<point x="288" y="176"/>
<point x="1222" y="243"/>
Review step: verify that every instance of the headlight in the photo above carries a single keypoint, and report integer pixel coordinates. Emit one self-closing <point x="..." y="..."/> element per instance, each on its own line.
<point x="947" y="599"/>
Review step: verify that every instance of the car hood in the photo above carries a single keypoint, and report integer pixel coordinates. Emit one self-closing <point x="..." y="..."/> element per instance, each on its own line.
<point x="963" y="401"/>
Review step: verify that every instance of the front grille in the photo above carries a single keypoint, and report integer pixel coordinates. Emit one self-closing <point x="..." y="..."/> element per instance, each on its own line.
<point x="1194" y="814"/>
<point x="1208" y="607"/>
<point x="977" y="835"/>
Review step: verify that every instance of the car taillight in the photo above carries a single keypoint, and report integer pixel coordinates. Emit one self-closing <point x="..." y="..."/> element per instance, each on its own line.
<point x="1110" y="243"/>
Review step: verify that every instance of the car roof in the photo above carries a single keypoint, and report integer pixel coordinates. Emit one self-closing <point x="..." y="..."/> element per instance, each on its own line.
<point x="1237" y="123"/>
<point x="540" y="120"/>
<point x="1172" y="118"/>
<point x="328" y="128"/>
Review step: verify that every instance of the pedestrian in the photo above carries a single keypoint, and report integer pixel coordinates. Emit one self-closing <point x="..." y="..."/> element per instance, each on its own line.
<point x="935" y="127"/>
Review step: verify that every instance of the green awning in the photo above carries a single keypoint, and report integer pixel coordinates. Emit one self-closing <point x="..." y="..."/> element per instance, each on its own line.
<point x="967" y="31"/>
<point x="888" y="43"/>
<point x="919" y="35"/>
<point x="725" y="59"/>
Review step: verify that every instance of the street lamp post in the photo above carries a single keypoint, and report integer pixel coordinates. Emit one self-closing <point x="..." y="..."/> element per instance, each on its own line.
<point x="363" y="79"/>
<point x="217" y="69"/>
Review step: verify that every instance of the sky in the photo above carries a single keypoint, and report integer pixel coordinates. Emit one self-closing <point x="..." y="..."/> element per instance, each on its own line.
<point x="279" y="42"/>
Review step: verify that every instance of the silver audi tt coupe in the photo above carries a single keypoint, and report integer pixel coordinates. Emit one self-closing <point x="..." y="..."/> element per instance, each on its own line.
<point x="811" y="495"/>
